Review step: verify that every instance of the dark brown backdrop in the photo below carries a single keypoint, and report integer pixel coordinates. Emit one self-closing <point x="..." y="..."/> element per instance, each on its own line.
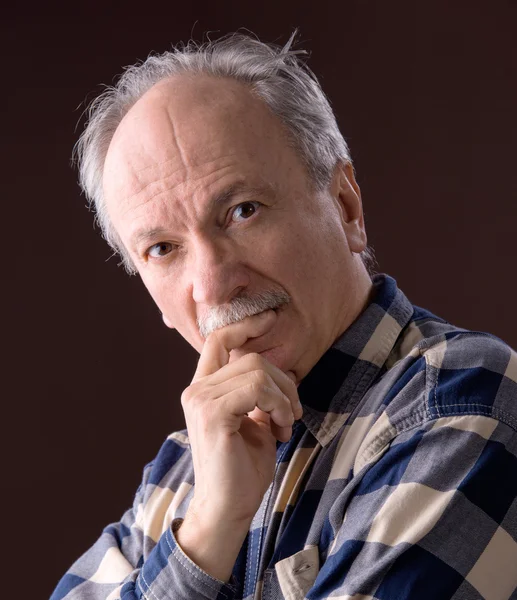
<point x="426" y="96"/>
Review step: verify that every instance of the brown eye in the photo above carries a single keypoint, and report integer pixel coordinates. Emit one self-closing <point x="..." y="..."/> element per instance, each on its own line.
<point x="161" y="249"/>
<point x="246" y="210"/>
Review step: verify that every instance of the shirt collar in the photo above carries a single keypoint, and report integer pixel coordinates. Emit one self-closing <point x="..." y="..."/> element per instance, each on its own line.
<point x="338" y="381"/>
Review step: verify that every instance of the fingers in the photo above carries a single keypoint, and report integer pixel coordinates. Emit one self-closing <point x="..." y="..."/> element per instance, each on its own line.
<point x="253" y="395"/>
<point x="252" y="368"/>
<point x="283" y="434"/>
<point x="219" y="344"/>
<point x="254" y="362"/>
<point x="267" y="399"/>
<point x="250" y="386"/>
<point x="262" y="404"/>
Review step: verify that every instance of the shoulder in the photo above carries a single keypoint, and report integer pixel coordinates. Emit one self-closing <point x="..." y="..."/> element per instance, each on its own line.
<point x="447" y="373"/>
<point x="459" y="399"/>
<point x="437" y="369"/>
<point x="469" y="372"/>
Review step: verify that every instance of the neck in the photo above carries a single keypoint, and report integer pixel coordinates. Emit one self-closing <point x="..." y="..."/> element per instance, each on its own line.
<point x="360" y="295"/>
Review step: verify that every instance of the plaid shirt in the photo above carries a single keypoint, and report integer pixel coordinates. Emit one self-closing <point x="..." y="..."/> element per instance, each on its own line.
<point x="399" y="482"/>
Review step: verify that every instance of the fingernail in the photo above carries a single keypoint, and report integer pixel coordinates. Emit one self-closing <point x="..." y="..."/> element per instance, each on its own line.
<point x="300" y="411"/>
<point x="291" y="376"/>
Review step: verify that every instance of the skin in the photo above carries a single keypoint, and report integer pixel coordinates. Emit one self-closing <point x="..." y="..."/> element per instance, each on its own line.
<point x="185" y="143"/>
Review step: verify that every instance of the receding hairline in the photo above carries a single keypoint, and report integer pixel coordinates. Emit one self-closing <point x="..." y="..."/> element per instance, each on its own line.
<point x="276" y="74"/>
<point x="227" y="84"/>
<point x="273" y="128"/>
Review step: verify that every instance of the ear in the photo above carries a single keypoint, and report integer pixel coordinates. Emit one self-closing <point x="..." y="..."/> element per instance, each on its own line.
<point x="167" y="322"/>
<point x="346" y="192"/>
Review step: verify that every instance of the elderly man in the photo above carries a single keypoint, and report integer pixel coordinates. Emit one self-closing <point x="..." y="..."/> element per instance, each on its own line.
<point x="340" y="441"/>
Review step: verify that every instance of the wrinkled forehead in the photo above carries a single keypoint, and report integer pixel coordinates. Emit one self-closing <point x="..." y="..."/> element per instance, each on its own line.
<point x="183" y="125"/>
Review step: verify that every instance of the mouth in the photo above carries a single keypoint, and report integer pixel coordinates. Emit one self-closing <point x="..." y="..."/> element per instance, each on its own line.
<point x="261" y="344"/>
<point x="277" y="310"/>
<point x="280" y="308"/>
<point x="267" y="352"/>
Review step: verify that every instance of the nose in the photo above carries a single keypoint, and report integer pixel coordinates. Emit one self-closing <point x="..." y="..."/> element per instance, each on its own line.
<point x="217" y="273"/>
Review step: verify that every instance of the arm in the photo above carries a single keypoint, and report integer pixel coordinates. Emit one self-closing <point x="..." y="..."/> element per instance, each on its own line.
<point x="138" y="557"/>
<point x="235" y="412"/>
<point x="111" y="561"/>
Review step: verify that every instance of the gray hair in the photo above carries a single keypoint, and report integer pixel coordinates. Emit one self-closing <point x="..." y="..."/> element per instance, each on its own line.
<point x="273" y="73"/>
<point x="239" y="308"/>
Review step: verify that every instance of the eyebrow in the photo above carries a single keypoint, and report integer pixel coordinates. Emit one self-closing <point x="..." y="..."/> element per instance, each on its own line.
<point x="221" y="199"/>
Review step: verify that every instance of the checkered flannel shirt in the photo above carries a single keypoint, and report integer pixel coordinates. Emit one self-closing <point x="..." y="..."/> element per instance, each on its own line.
<point x="399" y="482"/>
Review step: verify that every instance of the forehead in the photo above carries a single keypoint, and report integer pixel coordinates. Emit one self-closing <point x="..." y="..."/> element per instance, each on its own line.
<point x="184" y="127"/>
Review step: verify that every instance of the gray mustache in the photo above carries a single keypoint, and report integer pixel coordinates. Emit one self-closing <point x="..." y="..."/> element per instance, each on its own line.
<point x="239" y="308"/>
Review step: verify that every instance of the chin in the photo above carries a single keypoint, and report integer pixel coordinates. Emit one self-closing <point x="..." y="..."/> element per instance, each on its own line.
<point x="276" y="356"/>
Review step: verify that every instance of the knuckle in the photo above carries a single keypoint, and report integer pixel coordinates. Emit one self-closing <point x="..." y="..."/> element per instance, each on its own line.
<point x="191" y="396"/>
<point x="258" y="388"/>
<point x="185" y="396"/>
<point x="260" y="376"/>
<point x="292" y="392"/>
<point x="255" y="360"/>
<point x="291" y="385"/>
<point x="215" y="337"/>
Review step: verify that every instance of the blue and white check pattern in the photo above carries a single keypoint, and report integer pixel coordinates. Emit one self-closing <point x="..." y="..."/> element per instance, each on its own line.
<point x="400" y="481"/>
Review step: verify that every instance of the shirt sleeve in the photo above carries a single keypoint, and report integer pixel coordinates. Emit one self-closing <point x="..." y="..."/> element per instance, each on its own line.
<point x="124" y="564"/>
<point x="433" y="515"/>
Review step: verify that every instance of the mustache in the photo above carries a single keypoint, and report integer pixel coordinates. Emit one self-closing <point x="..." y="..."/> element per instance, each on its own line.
<point x="239" y="308"/>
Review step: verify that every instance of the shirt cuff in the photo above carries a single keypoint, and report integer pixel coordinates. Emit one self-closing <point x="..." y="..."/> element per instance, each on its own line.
<point x="169" y="574"/>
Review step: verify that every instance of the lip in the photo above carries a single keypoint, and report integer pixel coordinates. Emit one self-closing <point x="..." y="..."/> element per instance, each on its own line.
<point x="257" y="344"/>
<point x="281" y="308"/>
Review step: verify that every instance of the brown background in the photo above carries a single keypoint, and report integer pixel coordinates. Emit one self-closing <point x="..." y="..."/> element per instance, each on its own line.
<point x="426" y="96"/>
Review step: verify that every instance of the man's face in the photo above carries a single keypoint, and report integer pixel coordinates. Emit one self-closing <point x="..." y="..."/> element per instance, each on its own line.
<point x="212" y="204"/>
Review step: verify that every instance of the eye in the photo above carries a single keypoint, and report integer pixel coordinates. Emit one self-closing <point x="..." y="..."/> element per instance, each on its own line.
<point x="159" y="250"/>
<point x="246" y="210"/>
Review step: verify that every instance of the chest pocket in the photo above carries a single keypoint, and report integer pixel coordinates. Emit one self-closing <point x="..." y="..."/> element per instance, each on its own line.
<point x="297" y="573"/>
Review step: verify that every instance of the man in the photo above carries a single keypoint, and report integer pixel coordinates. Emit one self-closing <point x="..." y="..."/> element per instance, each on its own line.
<point x="220" y="176"/>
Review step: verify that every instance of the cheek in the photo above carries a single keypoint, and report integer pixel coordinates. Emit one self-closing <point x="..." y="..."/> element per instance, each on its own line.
<point x="300" y="251"/>
<point x="313" y="262"/>
<point x="286" y="243"/>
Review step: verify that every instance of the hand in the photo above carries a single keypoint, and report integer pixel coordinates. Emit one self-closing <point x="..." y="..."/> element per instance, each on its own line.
<point x="234" y="412"/>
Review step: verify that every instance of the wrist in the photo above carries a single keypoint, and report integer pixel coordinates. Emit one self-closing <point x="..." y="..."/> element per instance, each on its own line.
<point x="212" y="544"/>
